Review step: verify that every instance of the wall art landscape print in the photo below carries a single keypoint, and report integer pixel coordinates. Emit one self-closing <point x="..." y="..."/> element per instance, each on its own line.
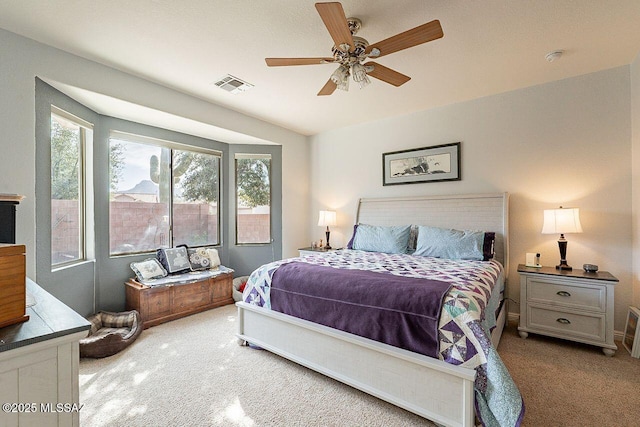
<point x="426" y="164"/>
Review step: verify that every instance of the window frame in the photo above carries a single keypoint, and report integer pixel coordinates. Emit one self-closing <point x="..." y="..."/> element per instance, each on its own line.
<point x="236" y="157"/>
<point x="171" y="146"/>
<point x="83" y="126"/>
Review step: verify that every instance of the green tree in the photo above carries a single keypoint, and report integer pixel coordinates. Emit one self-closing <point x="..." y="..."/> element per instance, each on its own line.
<point x="65" y="161"/>
<point x="199" y="181"/>
<point x="253" y="181"/>
<point x="116" y="164"/>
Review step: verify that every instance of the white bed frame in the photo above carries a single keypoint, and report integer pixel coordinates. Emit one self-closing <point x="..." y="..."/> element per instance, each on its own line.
<point x="428" y="387"/>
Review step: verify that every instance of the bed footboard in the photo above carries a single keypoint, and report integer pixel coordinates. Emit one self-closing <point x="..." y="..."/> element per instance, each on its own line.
<point x="428" y="387"/>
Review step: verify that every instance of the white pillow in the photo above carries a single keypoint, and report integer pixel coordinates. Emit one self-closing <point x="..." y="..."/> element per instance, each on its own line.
<point x="213" y="257"/>
<point x="148" y="269"/>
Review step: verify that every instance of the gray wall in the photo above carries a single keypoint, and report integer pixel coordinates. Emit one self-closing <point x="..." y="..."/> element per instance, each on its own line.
<point x="104" y="275"/>
<point x="245" y="257"/>
<point x="73" y="285"/>
<point x="22" y="59"/>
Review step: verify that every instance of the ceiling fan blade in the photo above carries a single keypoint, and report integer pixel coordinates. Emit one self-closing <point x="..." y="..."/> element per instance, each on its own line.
<point x="278" y="62"/>
<point x="410" y="38"/>
<point x="328" y="88"/>
<point x="387" y="75"/>
<point x="335" y="20"/>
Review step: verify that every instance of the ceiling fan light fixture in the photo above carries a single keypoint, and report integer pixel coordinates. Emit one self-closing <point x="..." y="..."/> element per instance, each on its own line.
<point x="359" y="73"/>
<point x="341" y="77"/>
<point x="364" y="82"/>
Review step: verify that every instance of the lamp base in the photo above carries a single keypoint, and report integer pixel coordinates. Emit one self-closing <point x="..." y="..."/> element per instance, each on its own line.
<point x="562" y="245"/>
<point x="327" y="246"/>
<point x="563" y="266"/>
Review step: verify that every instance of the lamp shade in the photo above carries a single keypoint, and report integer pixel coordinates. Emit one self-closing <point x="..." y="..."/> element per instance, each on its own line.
<point x="327" y="218"/>
<point x="560" y="221"/>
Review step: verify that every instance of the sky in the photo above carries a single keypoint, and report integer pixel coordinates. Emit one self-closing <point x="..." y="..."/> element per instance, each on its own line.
<point x="136" y="166"/>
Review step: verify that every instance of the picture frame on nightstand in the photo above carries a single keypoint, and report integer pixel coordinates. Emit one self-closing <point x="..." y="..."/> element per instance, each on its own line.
<point x="631" y="339"/>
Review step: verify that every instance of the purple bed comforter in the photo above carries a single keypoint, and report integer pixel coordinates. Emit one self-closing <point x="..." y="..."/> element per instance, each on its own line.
<point x="360" y="302"/>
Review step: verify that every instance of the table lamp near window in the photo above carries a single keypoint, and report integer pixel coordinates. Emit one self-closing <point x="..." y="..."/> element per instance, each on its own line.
<point x="326" y="219"/>
<point x="563" y="220"/>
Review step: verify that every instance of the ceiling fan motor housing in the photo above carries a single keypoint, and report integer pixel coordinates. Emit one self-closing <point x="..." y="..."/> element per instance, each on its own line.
<point x="343" y="56"/>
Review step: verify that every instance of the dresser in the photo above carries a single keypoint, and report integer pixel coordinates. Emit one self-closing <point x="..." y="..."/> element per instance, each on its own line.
<point x="572" y="305"/>
<point x="39" y="359"/>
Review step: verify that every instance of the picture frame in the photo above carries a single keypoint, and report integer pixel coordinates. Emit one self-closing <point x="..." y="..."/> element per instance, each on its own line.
<point x="631" y="338"/>
<point x="418" y="165"/>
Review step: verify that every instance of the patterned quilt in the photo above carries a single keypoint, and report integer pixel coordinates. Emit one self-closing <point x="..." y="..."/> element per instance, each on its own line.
<point x="463" y="333"/>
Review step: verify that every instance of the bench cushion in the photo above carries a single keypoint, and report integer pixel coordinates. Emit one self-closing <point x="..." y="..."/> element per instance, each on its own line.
<point x="182" y="278"/>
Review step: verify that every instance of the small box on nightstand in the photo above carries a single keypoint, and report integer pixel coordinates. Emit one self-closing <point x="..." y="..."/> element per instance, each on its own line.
<point x="12" y="284"/>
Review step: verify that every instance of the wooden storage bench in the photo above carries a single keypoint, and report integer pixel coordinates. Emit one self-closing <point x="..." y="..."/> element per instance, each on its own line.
<point x="159" y="304"/>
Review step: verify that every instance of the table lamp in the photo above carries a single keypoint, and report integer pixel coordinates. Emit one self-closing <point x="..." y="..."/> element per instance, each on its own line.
<point x="563" y="220"/>
<point x="327" y="218"/>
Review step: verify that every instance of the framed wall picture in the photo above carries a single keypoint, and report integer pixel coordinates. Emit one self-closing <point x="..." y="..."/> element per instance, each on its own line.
<point x="427" y="164"/>
<point x="631" y="339"/>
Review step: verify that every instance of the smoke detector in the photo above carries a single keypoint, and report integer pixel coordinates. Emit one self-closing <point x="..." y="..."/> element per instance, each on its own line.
<point x="233" y="84"/>
<point x="553" y="55"/>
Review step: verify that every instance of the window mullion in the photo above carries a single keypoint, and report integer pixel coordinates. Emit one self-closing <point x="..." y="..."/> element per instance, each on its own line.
<point x="171" y="191"/>
<point x="81" y="195"/>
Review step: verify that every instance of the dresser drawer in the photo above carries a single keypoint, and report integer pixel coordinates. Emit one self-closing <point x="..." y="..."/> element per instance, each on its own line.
<point x="567" y="324"/>
<point x="566" y="295"/>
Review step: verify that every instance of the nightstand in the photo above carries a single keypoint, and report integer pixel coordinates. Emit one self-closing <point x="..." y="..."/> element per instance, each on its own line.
<point x="311" y="251"/>
<point x="573" y="305"/>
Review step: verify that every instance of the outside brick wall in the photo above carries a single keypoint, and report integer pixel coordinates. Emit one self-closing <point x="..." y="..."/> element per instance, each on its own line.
<point x="65" y="236"/>
<point x="138" y="226"/>
<point x="254" y="228"/>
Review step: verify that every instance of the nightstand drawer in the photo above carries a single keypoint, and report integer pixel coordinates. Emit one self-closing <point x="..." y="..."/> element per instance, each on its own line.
<point x="559" y="293"/>
<point x="563" y="324"/>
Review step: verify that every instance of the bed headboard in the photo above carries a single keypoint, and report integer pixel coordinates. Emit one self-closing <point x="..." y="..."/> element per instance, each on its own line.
<point x="484" y="212"/>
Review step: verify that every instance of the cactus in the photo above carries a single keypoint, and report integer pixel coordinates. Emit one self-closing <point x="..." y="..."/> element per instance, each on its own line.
<point x="160" y="174"/>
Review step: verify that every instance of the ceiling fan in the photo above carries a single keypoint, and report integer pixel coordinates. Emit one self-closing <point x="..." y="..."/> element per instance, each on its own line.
<point x="350" y="51"/>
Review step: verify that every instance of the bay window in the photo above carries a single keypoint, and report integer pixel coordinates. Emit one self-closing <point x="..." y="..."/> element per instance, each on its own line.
<point x="162" y="194"/>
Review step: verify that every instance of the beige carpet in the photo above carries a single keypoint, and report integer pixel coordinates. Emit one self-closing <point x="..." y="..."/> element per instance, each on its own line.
<point x="191" y="372"/>
<point x="571" y="384"/>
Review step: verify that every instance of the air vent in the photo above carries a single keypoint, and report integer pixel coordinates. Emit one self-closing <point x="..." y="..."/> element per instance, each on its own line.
<point x="233" y="84"/>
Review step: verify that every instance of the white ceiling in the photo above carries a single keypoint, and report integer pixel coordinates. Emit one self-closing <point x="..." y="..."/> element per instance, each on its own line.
<point x="489" y="47"/>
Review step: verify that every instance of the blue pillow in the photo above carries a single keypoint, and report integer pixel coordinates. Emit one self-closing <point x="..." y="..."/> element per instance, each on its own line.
<point x="377" y="238"/>
<point x="450" y="244"/>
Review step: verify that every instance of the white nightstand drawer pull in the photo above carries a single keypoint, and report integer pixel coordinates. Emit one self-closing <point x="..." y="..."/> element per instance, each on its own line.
<point x="563" y="321"/>
<point x="563" y="293"/>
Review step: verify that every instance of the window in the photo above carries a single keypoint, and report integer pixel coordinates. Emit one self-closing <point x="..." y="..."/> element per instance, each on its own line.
<point x="253" y="198"/>
<point x="195" y="198"/>
<point x="68" y="140"/>
<point x="162" y="195"/>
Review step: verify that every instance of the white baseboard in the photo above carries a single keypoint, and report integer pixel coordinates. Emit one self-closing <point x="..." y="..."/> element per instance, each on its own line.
<point x="515" y="317"/>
